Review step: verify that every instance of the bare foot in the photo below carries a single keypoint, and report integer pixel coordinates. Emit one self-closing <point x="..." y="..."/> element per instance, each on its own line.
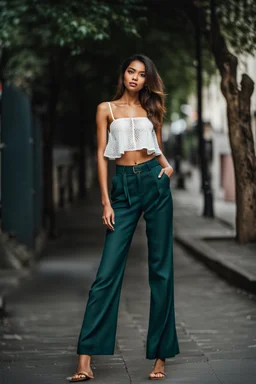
<point x="84" y="365"/>
<point x="158" y="368"/>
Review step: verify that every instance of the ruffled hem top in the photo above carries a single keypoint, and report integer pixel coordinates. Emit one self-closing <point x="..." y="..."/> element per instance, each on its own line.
<point x="131" y="134"/>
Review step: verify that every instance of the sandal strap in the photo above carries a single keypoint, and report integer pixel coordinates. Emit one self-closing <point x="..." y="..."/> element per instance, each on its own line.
<point x="162" y="373"/>
<point x="84" y="373"/>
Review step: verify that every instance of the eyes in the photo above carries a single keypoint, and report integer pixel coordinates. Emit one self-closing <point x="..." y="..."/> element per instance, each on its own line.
<point x="130" y="71"/>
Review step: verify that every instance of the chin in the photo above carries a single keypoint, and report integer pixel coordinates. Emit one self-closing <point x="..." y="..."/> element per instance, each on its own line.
<point x="132" y="89"/>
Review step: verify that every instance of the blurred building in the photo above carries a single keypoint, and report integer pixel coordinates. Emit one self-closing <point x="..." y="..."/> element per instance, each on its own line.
<point x="214" y="113"/>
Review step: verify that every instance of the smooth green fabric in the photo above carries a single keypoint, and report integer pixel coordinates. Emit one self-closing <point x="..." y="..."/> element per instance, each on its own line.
<point x="133" y="194"/>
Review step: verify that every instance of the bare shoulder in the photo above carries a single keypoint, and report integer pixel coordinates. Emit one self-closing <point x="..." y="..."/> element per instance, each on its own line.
<point x="103" y="107"/>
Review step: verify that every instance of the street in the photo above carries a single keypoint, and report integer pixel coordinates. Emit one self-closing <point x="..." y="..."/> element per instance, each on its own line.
<point x="216" y="322"/>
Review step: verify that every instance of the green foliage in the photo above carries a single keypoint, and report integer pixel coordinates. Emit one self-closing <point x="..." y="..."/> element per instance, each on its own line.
<point x="32" y="31"/>
<point x="65" y="24"/>
<point x="238" y="23"/>
<point x="238" y="19"/>
<point x="23" y="69"/>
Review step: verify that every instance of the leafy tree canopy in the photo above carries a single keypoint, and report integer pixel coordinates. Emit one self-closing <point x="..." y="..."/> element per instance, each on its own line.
<point x="52" y="23"/>
<point x="238" y="23"/>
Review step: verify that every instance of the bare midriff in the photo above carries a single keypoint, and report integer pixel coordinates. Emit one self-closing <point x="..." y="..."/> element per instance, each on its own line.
<point x="134" y="157"/>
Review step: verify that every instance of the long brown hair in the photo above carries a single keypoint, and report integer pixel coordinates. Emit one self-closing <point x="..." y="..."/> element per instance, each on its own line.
<point x="152" y="95"/>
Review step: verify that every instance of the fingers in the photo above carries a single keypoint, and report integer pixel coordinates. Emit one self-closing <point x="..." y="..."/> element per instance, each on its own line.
<point x="109" y="221"/>
<point x="109" y="224"/>
<point x="167" y="173"/>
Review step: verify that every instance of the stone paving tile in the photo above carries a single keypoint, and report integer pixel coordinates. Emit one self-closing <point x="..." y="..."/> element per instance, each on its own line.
<point x="233" y="253"/>
<point x="215" y="321"/>
<point x="213" y="239"/>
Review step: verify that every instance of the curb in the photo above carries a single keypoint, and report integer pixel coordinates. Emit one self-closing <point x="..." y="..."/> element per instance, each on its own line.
<point x="211" y="258"/>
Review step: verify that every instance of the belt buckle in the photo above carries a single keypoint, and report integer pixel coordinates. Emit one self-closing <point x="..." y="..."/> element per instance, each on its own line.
<point x="134" y="171"/>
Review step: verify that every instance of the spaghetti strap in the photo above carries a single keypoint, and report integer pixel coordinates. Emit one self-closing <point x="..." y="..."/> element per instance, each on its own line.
<point x="111" y="110"/>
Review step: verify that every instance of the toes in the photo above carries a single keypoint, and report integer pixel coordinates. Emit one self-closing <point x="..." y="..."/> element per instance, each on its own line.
<point x="76" y="376"/>
<point x="156" y="374"/>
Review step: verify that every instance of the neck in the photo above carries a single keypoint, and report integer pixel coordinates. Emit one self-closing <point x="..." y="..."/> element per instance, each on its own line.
<point x="130" y="98"/>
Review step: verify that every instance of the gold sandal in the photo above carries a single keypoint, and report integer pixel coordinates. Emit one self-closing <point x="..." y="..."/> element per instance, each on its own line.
<point x="155" y="373"/>
<point x="157" y="378"/>
<point x="85" y="378"/>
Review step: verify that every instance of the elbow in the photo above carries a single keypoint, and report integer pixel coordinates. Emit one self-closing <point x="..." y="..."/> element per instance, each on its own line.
<point x="100" y="154"/>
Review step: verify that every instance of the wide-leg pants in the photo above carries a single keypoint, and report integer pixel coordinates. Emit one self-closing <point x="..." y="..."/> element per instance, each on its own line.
<point x="135" y="190"/>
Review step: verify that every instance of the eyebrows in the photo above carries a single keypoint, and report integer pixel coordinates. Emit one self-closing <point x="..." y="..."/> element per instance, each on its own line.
<point x="135" y="69"/>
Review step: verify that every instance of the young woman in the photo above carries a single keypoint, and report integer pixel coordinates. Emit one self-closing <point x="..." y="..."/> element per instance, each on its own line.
<point x="141" y="184"/>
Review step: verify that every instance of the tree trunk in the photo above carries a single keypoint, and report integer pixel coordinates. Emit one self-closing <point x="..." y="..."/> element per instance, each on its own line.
<point x="241" y="141"/>
<point x="239" y="125"/>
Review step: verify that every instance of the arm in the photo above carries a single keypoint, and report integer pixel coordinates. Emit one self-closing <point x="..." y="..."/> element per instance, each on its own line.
<point x="102" y="163"/>
<point x="161" y="158"/>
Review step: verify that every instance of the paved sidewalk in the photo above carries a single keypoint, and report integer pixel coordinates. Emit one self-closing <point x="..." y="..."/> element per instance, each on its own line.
<point x="216" y="322"/>
<point x="225" y="211"/>
<point x="212" y="240"/>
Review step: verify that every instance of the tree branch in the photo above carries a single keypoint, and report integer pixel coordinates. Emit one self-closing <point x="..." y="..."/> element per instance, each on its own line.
<point x="247" y="87"/>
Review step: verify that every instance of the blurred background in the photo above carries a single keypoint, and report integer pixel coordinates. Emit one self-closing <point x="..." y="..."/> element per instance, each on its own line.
<point x="60" y="59"/>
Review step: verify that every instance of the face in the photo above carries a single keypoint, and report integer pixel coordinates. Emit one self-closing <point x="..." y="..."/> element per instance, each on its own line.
<point x="135" y="76"/>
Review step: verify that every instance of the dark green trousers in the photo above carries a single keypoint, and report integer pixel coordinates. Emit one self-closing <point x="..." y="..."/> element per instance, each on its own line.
<point x="135" y="190"/>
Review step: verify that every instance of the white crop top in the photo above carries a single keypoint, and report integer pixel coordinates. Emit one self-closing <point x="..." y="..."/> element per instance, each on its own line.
<point x="130" y="134"/>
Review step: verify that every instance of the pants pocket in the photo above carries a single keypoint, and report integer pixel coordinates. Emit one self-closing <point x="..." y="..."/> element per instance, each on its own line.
<point x="163" y="182"/>
<point x="165" y="175"/>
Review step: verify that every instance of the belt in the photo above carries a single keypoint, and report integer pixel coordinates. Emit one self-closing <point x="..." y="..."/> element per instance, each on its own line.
<point x="134" y="169"/>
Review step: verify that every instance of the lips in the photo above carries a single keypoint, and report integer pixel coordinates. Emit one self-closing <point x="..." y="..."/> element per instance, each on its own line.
<point x="133" y="84"/>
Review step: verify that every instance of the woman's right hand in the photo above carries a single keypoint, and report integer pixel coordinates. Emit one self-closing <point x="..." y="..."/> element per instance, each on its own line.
<point x="108" y="216"/>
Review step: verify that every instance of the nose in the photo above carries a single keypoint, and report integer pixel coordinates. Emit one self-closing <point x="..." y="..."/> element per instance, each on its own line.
<point x="135" y="76"/>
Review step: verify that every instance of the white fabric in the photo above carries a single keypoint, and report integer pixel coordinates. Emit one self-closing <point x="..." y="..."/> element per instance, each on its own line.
<point x="130" y="134"/>
<point x="111" y="110"/>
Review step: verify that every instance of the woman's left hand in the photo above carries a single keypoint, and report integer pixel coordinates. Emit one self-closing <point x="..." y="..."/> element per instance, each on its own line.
<point x="167" y="170"/>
